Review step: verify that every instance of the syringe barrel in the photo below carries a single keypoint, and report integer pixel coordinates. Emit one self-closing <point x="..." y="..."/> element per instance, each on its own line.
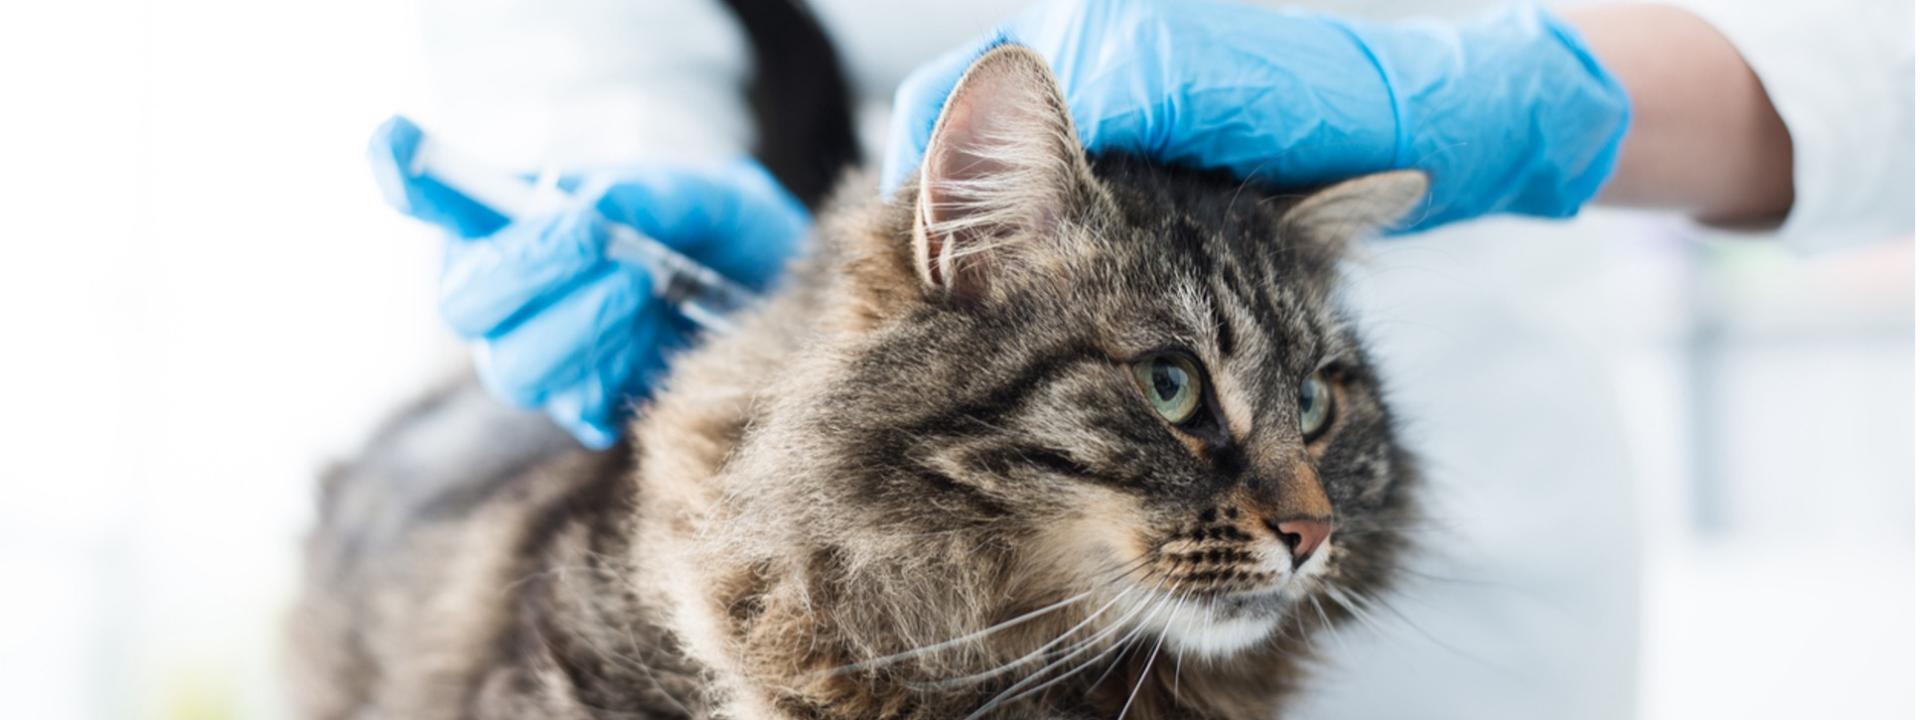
<point x="701" y="294"/>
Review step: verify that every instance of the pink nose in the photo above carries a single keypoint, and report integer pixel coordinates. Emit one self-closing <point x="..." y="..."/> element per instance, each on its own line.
<point x="1303" y="537"/>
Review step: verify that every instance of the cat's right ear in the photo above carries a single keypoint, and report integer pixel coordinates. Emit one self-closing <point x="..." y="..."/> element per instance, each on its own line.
<point x="1003" y="165"/>
<point x="1362" y="206"/>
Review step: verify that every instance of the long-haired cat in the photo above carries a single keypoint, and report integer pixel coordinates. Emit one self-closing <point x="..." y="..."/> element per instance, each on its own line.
<point x="1037" y="436"/>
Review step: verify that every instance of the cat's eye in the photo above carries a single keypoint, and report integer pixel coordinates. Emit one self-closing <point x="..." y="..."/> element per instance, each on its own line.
<point x="1316" y="406"/>
<point x="1171" y="382"/>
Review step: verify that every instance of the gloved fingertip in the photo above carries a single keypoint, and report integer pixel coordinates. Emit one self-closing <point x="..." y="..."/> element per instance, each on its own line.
<point x="588" y="413"/>
<point x="594" y="434"/>
<point x="391" y="154"/>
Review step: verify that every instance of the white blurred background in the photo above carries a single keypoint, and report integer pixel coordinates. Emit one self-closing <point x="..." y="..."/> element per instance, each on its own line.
<point x="204" y="300"/>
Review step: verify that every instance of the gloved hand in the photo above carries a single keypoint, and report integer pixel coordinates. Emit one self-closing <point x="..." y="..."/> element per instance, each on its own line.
<point x="1506" y="113"/>
<point x="557" y="326"/>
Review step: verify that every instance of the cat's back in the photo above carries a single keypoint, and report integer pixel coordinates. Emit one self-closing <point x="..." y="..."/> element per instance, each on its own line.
<point x="472" y="560"/>
<point x="424" y="546"/>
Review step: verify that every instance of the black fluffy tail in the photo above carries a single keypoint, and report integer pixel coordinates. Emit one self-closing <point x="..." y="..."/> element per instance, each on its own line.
<point x="802" y="109"/>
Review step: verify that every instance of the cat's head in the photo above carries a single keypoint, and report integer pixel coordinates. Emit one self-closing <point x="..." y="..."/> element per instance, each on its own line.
<point x="1096" y="379"/>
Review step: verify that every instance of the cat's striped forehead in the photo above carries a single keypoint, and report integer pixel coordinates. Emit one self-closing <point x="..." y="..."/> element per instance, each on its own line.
<point x="1220" y="275"/>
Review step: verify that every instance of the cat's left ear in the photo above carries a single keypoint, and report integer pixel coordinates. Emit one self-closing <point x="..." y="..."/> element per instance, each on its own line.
<point x="1365" y="205"/>
<point x="1002" y="168"/>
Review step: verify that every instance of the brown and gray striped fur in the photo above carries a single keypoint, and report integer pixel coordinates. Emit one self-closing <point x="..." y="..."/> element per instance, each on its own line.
<point x="921" y="482"/>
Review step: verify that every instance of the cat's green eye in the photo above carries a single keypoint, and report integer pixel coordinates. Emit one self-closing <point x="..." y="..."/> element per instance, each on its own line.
<point x="1316" y="406"/>
<point x="1171" y="382"/>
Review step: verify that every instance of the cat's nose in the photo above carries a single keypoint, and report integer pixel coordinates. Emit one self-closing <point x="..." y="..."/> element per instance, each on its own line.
<point x="1302" y="537"/>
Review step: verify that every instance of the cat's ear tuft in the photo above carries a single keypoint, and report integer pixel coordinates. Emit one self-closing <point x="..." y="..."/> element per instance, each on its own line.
<point x="1003" y="164"/>
<point x="1361" y="206"/>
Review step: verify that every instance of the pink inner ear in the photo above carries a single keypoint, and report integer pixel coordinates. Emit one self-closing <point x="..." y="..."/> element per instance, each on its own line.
<point x="961" y="152"/>
<point x="956" y="157"/>
<point x="996" y="165"/>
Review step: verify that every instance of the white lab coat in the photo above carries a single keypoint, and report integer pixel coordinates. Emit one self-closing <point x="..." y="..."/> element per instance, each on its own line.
<point x="1524" y="602"/>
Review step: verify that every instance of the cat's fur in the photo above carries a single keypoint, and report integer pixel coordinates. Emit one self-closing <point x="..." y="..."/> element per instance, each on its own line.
<point x="919" y="482"/>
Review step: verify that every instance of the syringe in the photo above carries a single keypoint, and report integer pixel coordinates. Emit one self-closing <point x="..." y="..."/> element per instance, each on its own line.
<point x="702" y="295"/>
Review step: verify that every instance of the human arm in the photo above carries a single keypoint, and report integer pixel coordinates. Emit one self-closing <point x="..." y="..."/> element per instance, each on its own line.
<point x="1840" y="75"/>
<point x="1705" y="139"/>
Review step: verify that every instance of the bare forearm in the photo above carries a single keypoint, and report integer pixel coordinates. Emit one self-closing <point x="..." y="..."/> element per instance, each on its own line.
<point x="1704" y="138"/>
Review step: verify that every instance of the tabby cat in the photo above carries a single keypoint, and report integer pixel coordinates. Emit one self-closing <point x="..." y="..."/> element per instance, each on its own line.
<point x="1040" y="435"/>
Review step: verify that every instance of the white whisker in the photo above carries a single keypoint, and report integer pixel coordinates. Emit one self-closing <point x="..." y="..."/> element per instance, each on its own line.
<point x="1122" y="656"/>
<point x="969" y="637"/>
<point x="1024" y="659"/>
<point x="1179" y="658"/>
<point x="1014" y="693"/>
<point x="1121" y="646"/>
<point x="1148" y="666"/>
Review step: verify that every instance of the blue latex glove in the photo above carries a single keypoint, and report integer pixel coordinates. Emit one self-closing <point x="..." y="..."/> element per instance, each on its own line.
<point x="1506" y="113"/>
<point x="557" y="326"/>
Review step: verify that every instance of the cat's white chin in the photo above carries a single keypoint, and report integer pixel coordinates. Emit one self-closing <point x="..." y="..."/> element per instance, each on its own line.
<point x="1203" y="630"/>
<point x="1222" y="626"/>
